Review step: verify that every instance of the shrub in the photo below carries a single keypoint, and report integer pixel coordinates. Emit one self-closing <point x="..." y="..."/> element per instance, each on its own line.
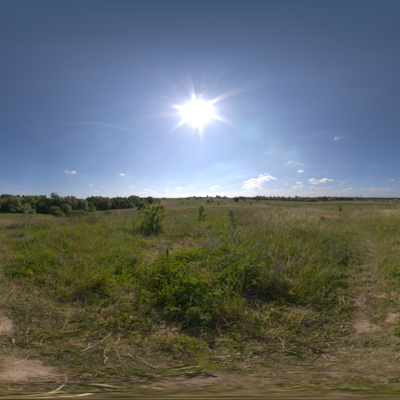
<point x="231" y="218"/>
<point x="152" y="217"/>
<point x="340" y="208"/>
<point x="53" y="209"/>
<point x="201" y="212"/>
<point x="77" y="213"/>
<point x="59" y="213"/>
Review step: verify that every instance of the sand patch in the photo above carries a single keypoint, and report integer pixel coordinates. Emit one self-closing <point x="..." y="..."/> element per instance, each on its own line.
<point x="392" y="317"/>
<point x="364" y="326"/>
<point x="21" y="370"/>
<point x="6" y="325"/>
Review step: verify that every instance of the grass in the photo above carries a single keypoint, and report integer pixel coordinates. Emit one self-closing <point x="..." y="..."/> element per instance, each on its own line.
<point x="99" y="299"/>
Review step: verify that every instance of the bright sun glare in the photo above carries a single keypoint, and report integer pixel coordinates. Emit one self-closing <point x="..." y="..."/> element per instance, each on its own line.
<point x="197" y="112"/>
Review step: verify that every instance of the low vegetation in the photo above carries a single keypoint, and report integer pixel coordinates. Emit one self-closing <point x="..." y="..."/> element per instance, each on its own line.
<point x="193" y="284"/>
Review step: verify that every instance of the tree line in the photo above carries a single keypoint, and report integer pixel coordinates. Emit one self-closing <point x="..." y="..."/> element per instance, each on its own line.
<point x="56" y="204"/>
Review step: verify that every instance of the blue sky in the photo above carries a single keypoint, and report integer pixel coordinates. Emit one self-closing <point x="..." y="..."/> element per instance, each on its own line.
<point x="308" y="97"/>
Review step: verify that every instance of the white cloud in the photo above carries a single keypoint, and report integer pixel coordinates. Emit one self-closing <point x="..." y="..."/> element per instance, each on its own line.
<point x="286" y="184"/>
<point x="90" y="184"/>
<point x="121" y="174"/>
<point x="290" y="162"/>
<point x="297" y="186"/>
<point x="336" y="138"/>
<point x="167" y="190"/>
<point x="214" y="187"/>
<point x="314" y="181"/>
<point x="392" y="180"/>
<point x="178" y="189"/>
<point x="383" y="190"/>
<point x="96" y="191"/>
<point x="346" y="190"/>
<point x="256" y="183"/>
<point x="322" y="188"/>
<point x="71" y="180"/>
<point x="69" y="172"/>
<point x="300" y="171"/>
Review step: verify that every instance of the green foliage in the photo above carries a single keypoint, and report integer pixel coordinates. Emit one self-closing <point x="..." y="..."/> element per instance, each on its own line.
<point x="77" y="213"/>
<point x="201" y="212"/>
<point x="59" y="213"/>
<point x="231" y="218"/>
<point x="236" y="199"/>
<point x="92" y="207"/>
<point x="28" y="213"/>
<point x="151" y="217"/>
<point x="340" y="208"/>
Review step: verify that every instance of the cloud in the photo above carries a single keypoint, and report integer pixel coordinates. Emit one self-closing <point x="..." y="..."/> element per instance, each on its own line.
<point x="121" y="174"/>
<point x="297" y="186"/>
<point x="167" y="190"/>
<point x="90" y="184"/>
<point x="214" y="187"/>
<point x="300" y="171"/>
<point x="383" y="190"/>
<point x="71" y="180"/>
<point x="336" y="138"/>
<point x="322" y="188"/>
<point x="286" y="184"/>
<point x="147" y="190"/>
<point x="346" y="190"/>
<point x="69" y="172"/>
<point x="392" y="180"/>
<point x="96" y="191"/>
<point x="314" y="181"/>
<point x="178" y="189"/>
<point x="256" y="183"/>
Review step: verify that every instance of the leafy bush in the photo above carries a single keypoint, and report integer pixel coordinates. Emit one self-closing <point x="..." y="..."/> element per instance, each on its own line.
<point x="77" y="213"/>
<point x="151" y="217"/>
<point x="340" y="208"/>
<point x="59" y="213"/>
<point x="201" y="212"/>
<point x="231" y="218"/>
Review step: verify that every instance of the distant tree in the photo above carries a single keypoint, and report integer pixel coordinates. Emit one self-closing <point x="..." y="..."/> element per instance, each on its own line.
<point x="236" y="199"/>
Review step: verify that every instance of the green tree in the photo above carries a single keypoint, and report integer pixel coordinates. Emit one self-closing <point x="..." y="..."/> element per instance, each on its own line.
<point x="231" y="218"/>
<point x="236" y="199"/>
<point x="152" y="217"/>
<point x="201" y="212"/>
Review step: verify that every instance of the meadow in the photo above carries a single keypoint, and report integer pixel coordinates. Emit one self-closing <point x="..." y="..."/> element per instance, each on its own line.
<point x="248" y="287"/>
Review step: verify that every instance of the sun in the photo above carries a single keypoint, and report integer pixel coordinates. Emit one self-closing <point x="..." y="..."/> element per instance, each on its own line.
<point x="197" y="113"/>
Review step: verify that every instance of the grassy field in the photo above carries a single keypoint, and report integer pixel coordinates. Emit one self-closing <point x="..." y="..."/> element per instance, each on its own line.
<point x="278" y="289"/>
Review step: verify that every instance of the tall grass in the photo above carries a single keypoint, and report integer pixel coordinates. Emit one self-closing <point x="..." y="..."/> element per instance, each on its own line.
<point x="216" y="277"/>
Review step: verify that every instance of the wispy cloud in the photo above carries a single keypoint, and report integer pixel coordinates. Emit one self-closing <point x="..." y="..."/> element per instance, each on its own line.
<point x="121" y="174"/>
<point x="392" y="180"/>
<point x="300" y="171"/>
<point x="90" y="184"/>
<point x="383" y="190"/>
<point x="297" y="186"/>
<point x="71" y="180"/>
<point x="167" y="190"/>
<point x="214" y="187"/>
<point x="179" y="189"/>
<point x="68" y="172"/>
<point x="256" y="183"/>
<point x="314" y="181"/>
<point x="336" y="138"/>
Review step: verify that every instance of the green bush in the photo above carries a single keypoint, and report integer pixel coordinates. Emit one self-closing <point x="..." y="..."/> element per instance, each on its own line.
<point x="201" y="212"/>
<point x="77" y="213"/>
<point x="59" y="213"/>
<point x="151" y="217"/>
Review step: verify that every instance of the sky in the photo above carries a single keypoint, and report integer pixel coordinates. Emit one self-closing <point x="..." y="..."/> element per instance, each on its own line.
<point x="111" y="98"/>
